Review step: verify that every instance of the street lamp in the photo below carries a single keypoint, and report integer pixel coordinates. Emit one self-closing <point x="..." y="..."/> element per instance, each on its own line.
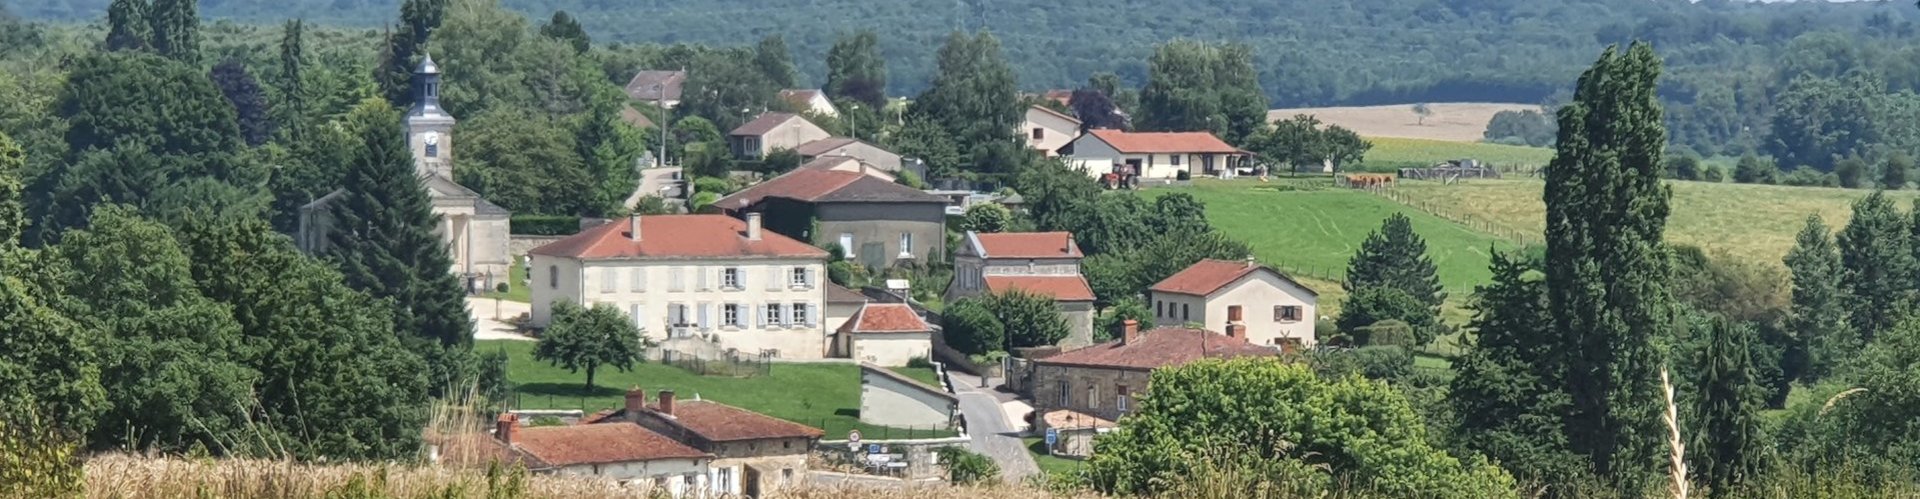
<point x="853" y="121"/>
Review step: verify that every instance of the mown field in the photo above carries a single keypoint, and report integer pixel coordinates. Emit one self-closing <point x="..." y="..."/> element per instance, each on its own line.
<point x="1392" y="153"/>
<point x="830" y="391"/>
<point x="1753" y="222"/>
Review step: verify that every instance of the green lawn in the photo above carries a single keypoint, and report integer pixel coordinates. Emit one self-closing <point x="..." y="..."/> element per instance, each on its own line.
<point x="823" y="395"/>
<point x="921" y="374"/>
<point x="1049" y="463"/>
<point x="1314" y="231"/>
<point x="1392" y="153"/>
<point x="1752" y="222"/>
<point x="518" y="290"/>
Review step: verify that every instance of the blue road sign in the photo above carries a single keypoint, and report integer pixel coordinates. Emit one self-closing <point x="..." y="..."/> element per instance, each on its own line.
<point x="873" y="448"/>
<point x="1053" y="436"/>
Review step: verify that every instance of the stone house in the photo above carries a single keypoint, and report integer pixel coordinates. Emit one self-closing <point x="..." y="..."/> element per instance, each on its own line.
<point x="660" y="88"/>
<point x="1047" y="130"/>
<point x="862" y="150"/>
<point x="878" y="223"/>
<point x="772" y="132"/>
<point x="1043" y="263"/>
<point x="842" y="304"/>
<point x="890" y="399"/>
<point x="754" y="455"/>
<point x="1102" y="380"/>
<point x="887" y="334"/>
<point x="629" y="454"/>
<point x="847" y="164"/>
<point x="1203" y="293"/>
<point x="699" y="285"/>
<point x="475" y="231"/>
<point x="1153" y="155"/>
<point x="809" y="100"/>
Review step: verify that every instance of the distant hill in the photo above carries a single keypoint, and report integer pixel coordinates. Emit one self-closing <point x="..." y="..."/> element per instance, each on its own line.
<point x="1312" y="52"/>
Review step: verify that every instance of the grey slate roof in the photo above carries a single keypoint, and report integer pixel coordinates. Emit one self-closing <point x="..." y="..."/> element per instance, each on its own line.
<point x="641" y="86"/>
<point x="870" y="189"/>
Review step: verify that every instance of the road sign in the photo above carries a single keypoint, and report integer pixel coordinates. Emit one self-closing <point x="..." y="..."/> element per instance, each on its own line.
<point x="873" y="448"/>
<point x="1053" y="436"/>
<point x="853" y="436"/>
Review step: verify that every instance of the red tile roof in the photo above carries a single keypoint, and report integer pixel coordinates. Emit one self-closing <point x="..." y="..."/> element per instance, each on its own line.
<point x="1163" y="142"/>
<point x="717" y="422"/>
<point x="598" y="444"/>
<point x="1207" y="276"/>
<point x="1061" y="288"/>
<point x="677" y="236"/>
<point x="1160" y="347"/>
<point x="885" y="318"/>
<point x="1028" y="245"/>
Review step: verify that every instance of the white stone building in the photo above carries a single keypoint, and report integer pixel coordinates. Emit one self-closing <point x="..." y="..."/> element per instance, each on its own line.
<point x="1153" y="155"/>
<point x="1047" y="130"/>
<point x="699" y="285"/>
<point x="1277" y="311"/>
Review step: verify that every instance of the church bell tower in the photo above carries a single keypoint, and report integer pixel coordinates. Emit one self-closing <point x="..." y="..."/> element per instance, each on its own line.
<point x="429" y="128"/>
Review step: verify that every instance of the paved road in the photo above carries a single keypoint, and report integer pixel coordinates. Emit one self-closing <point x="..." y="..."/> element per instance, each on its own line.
<point x="652" y="180"/>
<point x="489" y="326"/>
<point x="993" y="434"/>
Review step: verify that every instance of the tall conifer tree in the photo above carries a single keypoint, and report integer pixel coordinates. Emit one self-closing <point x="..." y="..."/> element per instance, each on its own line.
<point x="1606" y="263"/>
<point x="127" y="27"/>
<point x="291" y="109"/>
<point x="1730" y="446"/>
<point x="1875" y="251"/>
<point x="1818" y="315"/>
<point x="1513" y="400"/>
<point x="382" y="237"/>
<point x="1396" y="257"/>
<point x="175" y="28"/>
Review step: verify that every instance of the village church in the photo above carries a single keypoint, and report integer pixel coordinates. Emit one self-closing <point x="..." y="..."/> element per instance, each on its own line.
<point x="474" y="230"/>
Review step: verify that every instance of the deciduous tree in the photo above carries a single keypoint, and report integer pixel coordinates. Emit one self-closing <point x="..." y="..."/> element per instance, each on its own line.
<point x="856" y="71"/>
<point x="562" y="27"/>
<point x="775" y="62"/>
<point x="590" y="338"/>
<point x="1030" y="320"/>
<point x="971" y="327"/>
<point x="1194" y="85"/>
<point x="248" y="100"/>
<point x="986" y="218"/>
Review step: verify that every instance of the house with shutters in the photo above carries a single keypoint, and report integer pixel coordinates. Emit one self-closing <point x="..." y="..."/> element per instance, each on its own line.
<point x="1042" y="263"/>
<point x="1280" y="311"/>
<point x="877" y="222"/>
<point x="1102" y="380"/>
<point x="753" y="454"/>
<point x="628" y="454"/>
<point x="699" y="285"/>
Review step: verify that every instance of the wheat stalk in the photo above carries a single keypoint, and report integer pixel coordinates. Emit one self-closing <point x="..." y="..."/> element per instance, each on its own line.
<point x="1678" y="456"/>
<point x="1836" y="399"/>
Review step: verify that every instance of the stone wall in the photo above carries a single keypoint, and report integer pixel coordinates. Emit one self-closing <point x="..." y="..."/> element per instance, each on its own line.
<point x="519" y="245"/>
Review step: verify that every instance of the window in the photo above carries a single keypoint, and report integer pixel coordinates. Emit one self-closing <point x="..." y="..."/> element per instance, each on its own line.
<point x="846" y="244"/>
<point x="677" y="314"/>
<point x="638" y="281"/>
<point x="433" y="150"/>
<point x="609" y="280"/>
<point x="1093" y="396"/>
<point x="799" y="313"/>
<point x="676" y="279"/>
<point x="553" y="277"/>
<point x="771" y="314"/>
<point x="730" y="314"/>
<point x="1039" y="133"/>
<point x="1158" y="307"/>
<point x="1173" y="159"/>
<point x="1120" y="396"/>
<point x="432" y="89"/>
<point x="1185" y="314"/>
<point x="730" y="278"/>
<point x="639" y="316"/>
<point x="799" y="277"/>
<point x="1064" y="392"/>
<point x="1286" y="313"/>
<point x="906" y="243"/>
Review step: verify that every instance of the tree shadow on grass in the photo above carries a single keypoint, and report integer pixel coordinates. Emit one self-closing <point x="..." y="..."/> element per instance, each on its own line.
<point x="574" y="390"/>
<point x="848" y="412"/>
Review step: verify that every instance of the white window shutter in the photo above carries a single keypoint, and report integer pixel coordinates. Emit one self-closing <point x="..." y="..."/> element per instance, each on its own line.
<point x="812" y="278"/>
<point x="786" y="315"/>
<point x="759" y="317"/>
<point x="813" y="315"/>
<point x="640" y="279"/>
<point x="703" y="272"/>
<point x="773" y="278"/>
<point x="705" y="312"/>
<point x="740" y="279"/>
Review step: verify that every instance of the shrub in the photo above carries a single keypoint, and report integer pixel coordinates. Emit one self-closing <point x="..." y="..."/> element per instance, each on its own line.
<point x="500" y="288"/>
<point x="543" y="225"/>
<point x="965" y="467"/>
<point x="1182" y="175"/>
<point x="35" y="461"/>
<point x="546" y="421"/>
<point x="712" y="184"/>
<point x="920" y="362"/>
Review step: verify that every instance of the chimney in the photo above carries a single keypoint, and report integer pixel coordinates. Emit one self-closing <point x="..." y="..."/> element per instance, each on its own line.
<point x="666" y="402"/>
<point x="636" y="403"/>
<point x="1129" y="331"/>
<point x="1236" y="328"/>
<point x="633" y="227"/>
<point x="504" y="426"/>
<point x="753" y="226"/>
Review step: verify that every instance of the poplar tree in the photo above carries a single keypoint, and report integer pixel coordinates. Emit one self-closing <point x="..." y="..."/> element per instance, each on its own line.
<point x="382" y="237"/>
<point x="127" y="27"/>
<point x="1730" y="446"/>
<point x="175" y="28"/>
<point x="1606" y="263"/>
<point x="974" y="98"/>
<point x="775" y="61"/>
<point x="1818" y="313"/>
<point x="404" y="44"/>
<point x="291" y="108"/>
<point x="1875" y="252"/>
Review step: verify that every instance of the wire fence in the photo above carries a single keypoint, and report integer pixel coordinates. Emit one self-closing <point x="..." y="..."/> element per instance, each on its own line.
<point x="837" y="429"/>
<point x="731" y="366"/>
<point x="1516" y="236"/>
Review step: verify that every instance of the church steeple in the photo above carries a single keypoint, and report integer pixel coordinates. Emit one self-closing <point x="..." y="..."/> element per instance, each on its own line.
<point x="430" y="128"/>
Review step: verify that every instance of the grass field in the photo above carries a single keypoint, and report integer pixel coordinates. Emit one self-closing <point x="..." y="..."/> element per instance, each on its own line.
<point x="921" y="374"/>
<point x="1753" y="222"/>
<point x="1392" y="153"/>
<point x="825" y="396"/>
<point x="518" y="290"/>
<point x="1450" y="121"/>
<point x="1048" y="462"/>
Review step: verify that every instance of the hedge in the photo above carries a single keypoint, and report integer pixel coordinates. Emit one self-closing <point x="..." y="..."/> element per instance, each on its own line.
<point x="544" y="225"/>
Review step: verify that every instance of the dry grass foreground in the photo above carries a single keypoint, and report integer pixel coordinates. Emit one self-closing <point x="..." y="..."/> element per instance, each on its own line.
<point x="1450" y="121"/>
<point x="120" y="476"/>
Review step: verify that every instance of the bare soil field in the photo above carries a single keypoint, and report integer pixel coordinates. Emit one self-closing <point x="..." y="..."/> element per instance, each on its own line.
<point x="1450" y="121"/>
